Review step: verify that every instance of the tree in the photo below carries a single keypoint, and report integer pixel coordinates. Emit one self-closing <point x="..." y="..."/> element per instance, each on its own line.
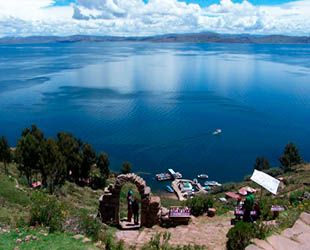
<point x="103" y="165"/>
<point x="261" y="164"/>
<point x="5" y="153"/>
<point x="290" y="157"/>
<point x="54" y="167"/>
<point x="126" y="168"/>
<point x="69" y="147"/>
<point x="29" y="152"/>
<point x="89" y="159"/>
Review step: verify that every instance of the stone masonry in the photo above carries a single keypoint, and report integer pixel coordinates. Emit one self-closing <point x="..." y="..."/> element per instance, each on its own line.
<point x="109" y="202"/>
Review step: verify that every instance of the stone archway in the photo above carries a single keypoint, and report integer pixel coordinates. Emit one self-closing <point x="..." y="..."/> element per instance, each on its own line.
<point x="109" y="202"/>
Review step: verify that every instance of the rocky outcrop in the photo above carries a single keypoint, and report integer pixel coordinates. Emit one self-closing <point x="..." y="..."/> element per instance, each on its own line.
<point x="109" y="201"/>
<point x="295" y="238"/>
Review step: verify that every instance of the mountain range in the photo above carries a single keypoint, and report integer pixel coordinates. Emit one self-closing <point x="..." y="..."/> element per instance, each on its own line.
<point x="172" y="38"/>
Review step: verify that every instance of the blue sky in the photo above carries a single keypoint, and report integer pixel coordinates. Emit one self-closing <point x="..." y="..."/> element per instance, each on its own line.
<point x="135" y="18"/>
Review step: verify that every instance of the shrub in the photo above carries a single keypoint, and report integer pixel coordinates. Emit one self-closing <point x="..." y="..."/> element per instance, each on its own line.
<point x="89" y="225"/>
<point x="296" y="197"/>
<point x="161" y="242"/>
<point x="110" y="243"/>
<point x="158" y="241"/>
<point x="242" y="233"/>
<point x="274" y="172"/>
<point x="199" y="204"/>
<point x="47" y="211"/>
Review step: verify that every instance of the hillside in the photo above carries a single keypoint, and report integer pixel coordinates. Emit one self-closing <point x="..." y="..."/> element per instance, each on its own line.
<point x="16" y="203"/>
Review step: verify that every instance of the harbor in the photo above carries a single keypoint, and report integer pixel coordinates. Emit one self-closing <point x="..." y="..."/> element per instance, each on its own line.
<point x="185" y="188"/>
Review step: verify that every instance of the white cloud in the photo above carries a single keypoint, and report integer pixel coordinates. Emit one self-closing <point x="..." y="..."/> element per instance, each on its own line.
<point x="134" y="17"/>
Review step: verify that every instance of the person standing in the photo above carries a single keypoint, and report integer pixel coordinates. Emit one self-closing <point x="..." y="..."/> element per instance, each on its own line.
<point x="248" y="207"/>
<point x="135" y="210"/>
<point x="129" y="206"/>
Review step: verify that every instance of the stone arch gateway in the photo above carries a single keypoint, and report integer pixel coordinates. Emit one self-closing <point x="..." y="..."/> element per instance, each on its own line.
<point x="109" y="202"/>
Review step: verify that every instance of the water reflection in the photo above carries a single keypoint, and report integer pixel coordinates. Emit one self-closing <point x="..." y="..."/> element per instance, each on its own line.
<point x="157" y="104"/>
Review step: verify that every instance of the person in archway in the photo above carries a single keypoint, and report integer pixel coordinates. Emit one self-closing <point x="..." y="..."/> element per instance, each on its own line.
<point x="135" y="210"/>
<point x="129" y="205"/>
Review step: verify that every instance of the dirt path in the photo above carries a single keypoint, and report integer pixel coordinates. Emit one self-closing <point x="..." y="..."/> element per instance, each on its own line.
<point x="210" y="232"/>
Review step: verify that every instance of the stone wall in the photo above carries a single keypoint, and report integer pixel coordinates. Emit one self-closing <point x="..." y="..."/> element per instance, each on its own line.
<point x="109" y="201"/>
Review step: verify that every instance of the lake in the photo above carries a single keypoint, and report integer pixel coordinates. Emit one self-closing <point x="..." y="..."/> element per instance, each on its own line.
<point x="157" y="105"/>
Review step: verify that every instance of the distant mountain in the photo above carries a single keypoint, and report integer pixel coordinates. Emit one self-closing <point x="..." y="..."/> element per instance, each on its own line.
<point x="169" y="38"/>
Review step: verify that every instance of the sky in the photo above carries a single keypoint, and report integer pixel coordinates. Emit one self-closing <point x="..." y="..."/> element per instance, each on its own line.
<point x="153" y="17"/>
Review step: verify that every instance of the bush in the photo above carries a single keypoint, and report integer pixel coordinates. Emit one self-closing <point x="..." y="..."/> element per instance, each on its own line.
<point x="161" y="242"/>
<point x="242" y="233"/>
<point x="45" y="210"/>
<point x="296" y="197"/>
<point x="89" y="225"/>
<point x="158" y="241"/>
<point x="274" y="172"/>
<point x="110" y="243"/>
<point x="199" y="204"/>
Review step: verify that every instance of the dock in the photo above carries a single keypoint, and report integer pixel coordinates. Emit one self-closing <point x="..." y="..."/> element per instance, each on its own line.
<point x="176" y="183"/>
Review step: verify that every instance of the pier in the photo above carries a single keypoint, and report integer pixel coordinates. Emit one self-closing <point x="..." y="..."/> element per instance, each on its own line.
<point x="183" y="195"/>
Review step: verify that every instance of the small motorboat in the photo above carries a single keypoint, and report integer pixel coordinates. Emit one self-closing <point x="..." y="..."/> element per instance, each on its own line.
<point x="203" y="176"/>
<point x="195" y="181"/>
<point x="163" y="177"/>
<point x="217" y="131"/>
<point x="213" y="183"/>
<point x="169" y="189"/>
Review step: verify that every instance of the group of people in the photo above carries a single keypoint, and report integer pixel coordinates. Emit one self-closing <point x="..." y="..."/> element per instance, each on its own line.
<point x="132" y="208"/>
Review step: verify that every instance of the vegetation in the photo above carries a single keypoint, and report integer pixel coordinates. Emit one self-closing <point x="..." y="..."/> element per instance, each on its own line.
<point x="242" y="233"/>
<point x="66" y="205"/>
<point x="261" y="164"/>
<point x="89" y="225"/>
<point x="46" y="211"/>
<point x="160" y="241"/>
<point x="199" y="204"/>
<point x="54" y="161"/>
<point x="54" y="170"/>
<point x="41" y="240"/>
<point x="126" y="168"/>
<point x="290" y="157"/>
<point x="5" y="153"/>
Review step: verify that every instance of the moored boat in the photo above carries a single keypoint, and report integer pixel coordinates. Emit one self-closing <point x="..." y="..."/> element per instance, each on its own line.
<point x="163" y="177"/>
<point x="203" y="176"/>
<point x="212" y="183"/>
<point x="175" y="175"/>
<point x="169" y="189"/>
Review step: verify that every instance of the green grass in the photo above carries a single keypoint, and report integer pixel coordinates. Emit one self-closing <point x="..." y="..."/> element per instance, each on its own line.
<point x="10" y="193"/>
<point x="170" y="202"/>
<point x="55" y="241"/>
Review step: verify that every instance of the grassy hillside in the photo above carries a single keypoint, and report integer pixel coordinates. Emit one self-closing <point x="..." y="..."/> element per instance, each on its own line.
<point x="15" y="204"/>
<point x="76" y="202"/>
<point x="41" y="240"/>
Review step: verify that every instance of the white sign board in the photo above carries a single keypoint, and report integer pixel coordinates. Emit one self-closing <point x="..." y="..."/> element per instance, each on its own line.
<point x="266" y="181"/>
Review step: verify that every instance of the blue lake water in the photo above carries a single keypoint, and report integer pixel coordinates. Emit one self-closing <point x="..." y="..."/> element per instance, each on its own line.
<point x="156" y="105"/>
